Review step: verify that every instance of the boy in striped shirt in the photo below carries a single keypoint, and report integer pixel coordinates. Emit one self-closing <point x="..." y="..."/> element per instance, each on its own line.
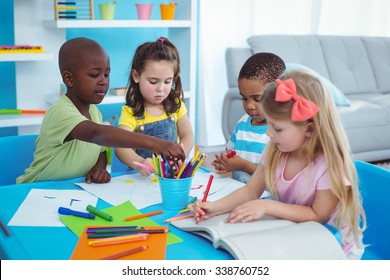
<point x="246" y="144"/>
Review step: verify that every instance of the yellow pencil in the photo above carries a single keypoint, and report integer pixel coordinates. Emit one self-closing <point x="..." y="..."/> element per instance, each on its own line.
<point x="196" y="156"/>
<point x="199" y="164"/>
<point x="181" y="170"/>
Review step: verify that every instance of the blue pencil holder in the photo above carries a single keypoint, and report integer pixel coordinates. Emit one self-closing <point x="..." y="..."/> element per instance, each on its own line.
<point x="175" y="193"/>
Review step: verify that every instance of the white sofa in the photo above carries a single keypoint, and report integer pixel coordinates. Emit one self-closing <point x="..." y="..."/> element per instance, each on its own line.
<point x="358" y="66"/>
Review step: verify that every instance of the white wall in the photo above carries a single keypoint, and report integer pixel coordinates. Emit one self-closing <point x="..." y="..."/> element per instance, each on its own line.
<point x="228" y="23"/>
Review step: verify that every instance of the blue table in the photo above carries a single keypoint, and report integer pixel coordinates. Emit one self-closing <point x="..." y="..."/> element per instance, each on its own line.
<point x="42" y="243"/>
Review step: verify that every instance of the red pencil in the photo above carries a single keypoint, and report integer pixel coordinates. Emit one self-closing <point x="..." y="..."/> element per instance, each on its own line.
<point x="231" y="154"/>
<point x="125" y="253"/>
<point x="206" y="193"/>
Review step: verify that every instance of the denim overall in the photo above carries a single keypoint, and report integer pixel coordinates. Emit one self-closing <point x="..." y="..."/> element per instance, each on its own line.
<point x="164" y="129"/>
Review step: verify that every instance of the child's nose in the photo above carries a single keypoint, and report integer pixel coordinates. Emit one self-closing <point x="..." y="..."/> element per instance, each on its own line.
<point x="251" y="105"/>
<point x="160" y="87"/>
<point x="104" y="80"/>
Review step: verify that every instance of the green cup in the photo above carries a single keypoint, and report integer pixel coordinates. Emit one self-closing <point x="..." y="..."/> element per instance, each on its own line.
<point x="107" y="11"/>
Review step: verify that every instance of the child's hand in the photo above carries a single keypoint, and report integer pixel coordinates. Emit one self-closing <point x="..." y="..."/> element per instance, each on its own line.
<point x="202" y="210"/>
<point x="142" y="170"/>
<point x="249" y="211"/>
<point x="223" y="164"/>
<point x="169" y="149"/>
<point x="98" y="175"/>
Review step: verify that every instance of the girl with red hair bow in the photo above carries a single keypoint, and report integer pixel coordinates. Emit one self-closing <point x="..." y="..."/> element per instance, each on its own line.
<point x="306" y="166"/>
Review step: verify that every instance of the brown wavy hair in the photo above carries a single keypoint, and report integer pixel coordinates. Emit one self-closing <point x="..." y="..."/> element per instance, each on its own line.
<point x="162" y="49"/>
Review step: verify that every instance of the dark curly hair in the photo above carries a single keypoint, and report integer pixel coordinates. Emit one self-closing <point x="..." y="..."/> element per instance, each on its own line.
<point x="162" y="49"/>
<point x="266" y="67"/>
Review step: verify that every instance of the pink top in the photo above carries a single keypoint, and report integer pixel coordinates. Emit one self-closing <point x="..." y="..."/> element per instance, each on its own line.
<point x="302" y="188"/>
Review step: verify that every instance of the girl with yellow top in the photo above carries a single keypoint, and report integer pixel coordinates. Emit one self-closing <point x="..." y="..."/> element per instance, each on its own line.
<point x="154" y="102"/>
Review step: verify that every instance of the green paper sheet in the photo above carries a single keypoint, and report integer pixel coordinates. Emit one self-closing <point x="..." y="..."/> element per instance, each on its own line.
<point x="119" y="213"/>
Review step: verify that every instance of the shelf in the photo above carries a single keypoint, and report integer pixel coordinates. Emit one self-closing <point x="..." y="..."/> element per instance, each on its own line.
<point x="26" y="57"/>
<point x="117" y="23"/>
<point x="20" y="120"/>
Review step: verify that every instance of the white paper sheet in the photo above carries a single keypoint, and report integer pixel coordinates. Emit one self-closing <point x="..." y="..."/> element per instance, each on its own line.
<point x="40" y="207"/>
<point x="220" y="186"/>
<point x="144" y="191"/>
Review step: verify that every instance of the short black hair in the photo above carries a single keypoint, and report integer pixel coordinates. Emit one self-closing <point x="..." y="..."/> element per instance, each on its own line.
<point x="262" y="66"/>
<point x="73" y="50"/>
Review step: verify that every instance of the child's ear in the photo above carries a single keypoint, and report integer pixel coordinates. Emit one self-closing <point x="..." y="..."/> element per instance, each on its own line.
<point x="67" y="78"/>
<point x="309" y="129"/>
<point x="135" y="75"/>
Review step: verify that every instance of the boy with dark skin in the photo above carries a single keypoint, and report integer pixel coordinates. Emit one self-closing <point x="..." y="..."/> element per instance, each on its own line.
<point x="72" y="138"/>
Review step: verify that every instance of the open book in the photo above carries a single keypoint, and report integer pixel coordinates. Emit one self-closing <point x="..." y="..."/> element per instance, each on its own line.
<point x="267" y="238"/>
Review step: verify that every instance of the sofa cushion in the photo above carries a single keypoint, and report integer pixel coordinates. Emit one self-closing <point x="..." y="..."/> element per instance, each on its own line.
<point x="302" y="49"/>
<point x="339" y="98"/>
<point x="363" y="113"/>
<point x="235" y="59"/>
<point x="348" y="64"/>
<point x="378" y="50"/>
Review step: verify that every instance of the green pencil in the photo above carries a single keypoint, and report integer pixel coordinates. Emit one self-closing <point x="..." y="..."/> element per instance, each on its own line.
<point x="191" y="201"/>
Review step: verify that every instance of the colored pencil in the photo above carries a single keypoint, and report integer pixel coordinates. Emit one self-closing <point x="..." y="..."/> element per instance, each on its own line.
<point x="206" y="193"/>
<point x="231" y="154"/>
<point x="143" y="215"/>
<point x="118" y="240"/>
<point x="181" y="217"/>
<point x="122" y="233"/>
<point x="125" y="253"/>
<point x="99" y="213"/>
<point x="202" y="157"/>
<point x="190" y="202"/>
<point x="4" y="228"/>
<point x="183" y="166"/>
<point x="144" y="166"/>
<point x="97" y="229"/>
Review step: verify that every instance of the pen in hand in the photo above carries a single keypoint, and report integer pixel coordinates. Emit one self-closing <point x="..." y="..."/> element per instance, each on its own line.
<point x="206" y="193"/>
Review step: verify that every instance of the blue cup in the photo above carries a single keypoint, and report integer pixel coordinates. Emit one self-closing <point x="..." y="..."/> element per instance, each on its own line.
<point x="175" y="193"/>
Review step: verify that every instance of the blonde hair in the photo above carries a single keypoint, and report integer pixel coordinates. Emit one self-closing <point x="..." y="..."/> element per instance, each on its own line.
<point x="328" y="138"/>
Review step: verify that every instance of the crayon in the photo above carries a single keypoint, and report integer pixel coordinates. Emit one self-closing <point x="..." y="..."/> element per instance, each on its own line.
<point x="67" y="211"/>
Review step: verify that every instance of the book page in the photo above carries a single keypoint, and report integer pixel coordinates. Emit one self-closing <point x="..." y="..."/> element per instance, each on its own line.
<point x="215" y="228"/>
<point x="301" y="241"/>
<point x="267" y="238"/>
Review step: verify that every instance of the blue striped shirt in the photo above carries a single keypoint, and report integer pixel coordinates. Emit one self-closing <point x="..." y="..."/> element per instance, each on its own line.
<point x="249" y="142"/>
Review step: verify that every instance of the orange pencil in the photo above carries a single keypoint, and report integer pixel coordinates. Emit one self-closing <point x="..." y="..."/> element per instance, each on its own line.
<point x="143" y="215"/>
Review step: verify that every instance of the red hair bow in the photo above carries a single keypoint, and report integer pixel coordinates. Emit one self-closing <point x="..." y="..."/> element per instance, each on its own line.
<point x="302" y="109"/>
